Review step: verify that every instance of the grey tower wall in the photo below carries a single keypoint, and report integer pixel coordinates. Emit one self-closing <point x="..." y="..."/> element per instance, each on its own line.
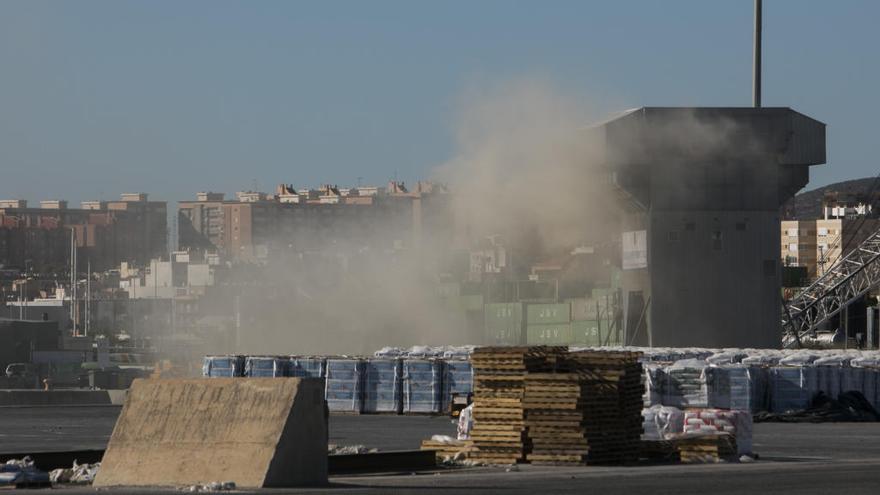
<point x="707" y="184"/>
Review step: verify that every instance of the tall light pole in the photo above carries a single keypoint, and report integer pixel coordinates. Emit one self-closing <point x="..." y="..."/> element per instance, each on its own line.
<point x="756" y="62"/>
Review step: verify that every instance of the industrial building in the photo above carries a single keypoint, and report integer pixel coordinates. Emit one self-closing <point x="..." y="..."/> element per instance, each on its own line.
<point x="702" y="188"/>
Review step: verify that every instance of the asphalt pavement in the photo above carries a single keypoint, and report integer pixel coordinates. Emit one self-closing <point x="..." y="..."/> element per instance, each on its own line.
<point x="801" y="459"/>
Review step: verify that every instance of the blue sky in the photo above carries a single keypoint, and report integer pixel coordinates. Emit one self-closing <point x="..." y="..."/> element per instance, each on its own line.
<point x="173" y="97"/>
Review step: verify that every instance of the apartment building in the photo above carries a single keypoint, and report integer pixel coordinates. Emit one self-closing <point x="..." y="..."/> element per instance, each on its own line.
<point x="132" y="229"/>
<point x="256" y="225"/>
<point x="819" y="244"/>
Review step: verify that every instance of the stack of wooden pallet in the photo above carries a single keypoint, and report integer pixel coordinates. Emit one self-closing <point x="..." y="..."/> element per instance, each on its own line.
<point x="448" y="449"/>
<point x="554" y="409"/>
<point x="499" y="432"/>
<point x="611" y="403"/>
<point x="659" y="451"/>
<point x="707" y="448"/>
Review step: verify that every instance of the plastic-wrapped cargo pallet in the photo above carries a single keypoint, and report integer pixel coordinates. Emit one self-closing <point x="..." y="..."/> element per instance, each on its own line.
<point x="382" y="392"/>
<point x="265" y="367"/>
<point x="658" y="421"/>
<point x="685" y="384"/>
<point x="870" y="369"/>
<point x="829" y="374"/>
<point x="711" y="421"/>
<point x="653" y="382"/>
<point x="793" y="383"/>
<point x="344" y="385"/>
<point x="737" y="387"/>
<point x="422" y="386"/>
<point x="306" y="367"/>
<point x="223" y="366"/>
<point x="458" y="379"/>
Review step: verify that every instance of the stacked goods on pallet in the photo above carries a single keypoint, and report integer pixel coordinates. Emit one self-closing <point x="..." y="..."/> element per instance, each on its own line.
<point x="613" y="403"/>
<point x="458" y="379"/>
<point x="870" y="369"/>
<point x="659" y="422"/>
<point x="791" y="387"/>
<point x="382" y="388"/>
<point x="829" y="374"/>
<point x="344" y="385"/>
<point x="223" y="366"/>
<point x="685" y="384"/>
<point x="706" y="448"/>
<point x="265" y="366"/>
<point x="422" y="386"/>
<point x="499" y="432"/>
<point x="306" y="367"/>
<point x="653" y="385"/>
<point x="720" y="421"/>
<point x="737" y="387"/>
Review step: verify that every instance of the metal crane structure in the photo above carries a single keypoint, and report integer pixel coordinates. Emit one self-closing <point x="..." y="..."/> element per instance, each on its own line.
<point x="849" y="279"/>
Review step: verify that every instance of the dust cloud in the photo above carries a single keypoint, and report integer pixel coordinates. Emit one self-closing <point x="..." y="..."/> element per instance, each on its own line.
<point x="524" y="171"/>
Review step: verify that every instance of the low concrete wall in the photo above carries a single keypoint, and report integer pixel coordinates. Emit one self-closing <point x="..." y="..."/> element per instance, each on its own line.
<point x="257" y="432"/>
<point x="54" y="397"/>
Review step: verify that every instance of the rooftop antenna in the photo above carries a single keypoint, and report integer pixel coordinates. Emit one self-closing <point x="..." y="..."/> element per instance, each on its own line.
<point x="756" y="62"/>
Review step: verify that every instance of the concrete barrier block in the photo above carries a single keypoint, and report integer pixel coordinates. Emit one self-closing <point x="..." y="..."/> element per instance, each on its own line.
<point x="257" y="432"/>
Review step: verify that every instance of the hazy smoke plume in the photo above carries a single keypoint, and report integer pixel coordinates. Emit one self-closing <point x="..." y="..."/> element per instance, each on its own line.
<point x="523" y="170"/>
<point x="528" y="169"/>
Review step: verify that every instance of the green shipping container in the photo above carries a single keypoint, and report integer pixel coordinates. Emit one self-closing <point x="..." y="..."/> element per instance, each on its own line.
<point x="594" y="333"/>
<point x="503" y="323"/>
<point x="473" y="302"/>
<point x="546" y="314"/>
<point x="554" y="334"/>
<point x="586" y="332"/>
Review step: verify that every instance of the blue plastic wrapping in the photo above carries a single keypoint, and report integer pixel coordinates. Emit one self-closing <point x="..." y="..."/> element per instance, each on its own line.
<point x="422" y="386"/>
<point x="792" y="388"/>
<point x="265" y="367"/>
<point x="382" y="386"/>
<point x="306" y="367"/>
<point x="223" y="366"/>
<point x="344" y="385"/>
<point x="738" y="387"/>
<point x="458" y="379"/>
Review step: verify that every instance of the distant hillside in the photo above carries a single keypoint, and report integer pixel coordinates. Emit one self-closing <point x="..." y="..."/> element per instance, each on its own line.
<point x="808" y="204"/>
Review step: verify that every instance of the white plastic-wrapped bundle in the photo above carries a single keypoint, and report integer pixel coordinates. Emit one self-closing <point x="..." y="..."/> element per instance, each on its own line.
<point x="658" y="421"/>
<point x="727" y="357"/>
<point x="653" y="380"/>
<point x="791" y="387"/>
<point x="707" y="421"/>
<point x="458" y="352"/>
<point x="389" y="352"/>
<point x="799" y="358"/>
<point x="763" y="358"/>
<point x="685" y="384"/>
